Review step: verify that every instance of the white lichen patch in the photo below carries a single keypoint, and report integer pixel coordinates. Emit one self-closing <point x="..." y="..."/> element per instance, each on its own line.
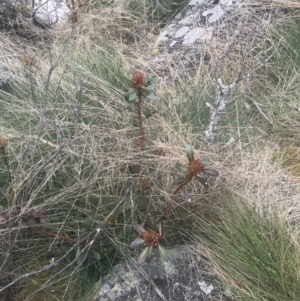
<point x="207" y="289"/>
<point x="170" y="269"/>
<point x="181" y="32"/>
<point x="197" y="33"/>
<point x="216" y="13"/>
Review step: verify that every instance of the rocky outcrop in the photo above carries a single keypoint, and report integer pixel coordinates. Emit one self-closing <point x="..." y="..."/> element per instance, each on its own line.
<point x="203" y="28"/>
<point x="184" y="275"/>
<point x="198" y="22"/>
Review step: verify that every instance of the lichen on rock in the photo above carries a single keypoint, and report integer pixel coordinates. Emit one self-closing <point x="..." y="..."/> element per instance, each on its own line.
<point x="176" y="278"/>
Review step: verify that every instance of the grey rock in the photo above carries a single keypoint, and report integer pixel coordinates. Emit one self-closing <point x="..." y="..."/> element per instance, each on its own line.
<point x="202" y="27"/>
<point x="182" y="276"/>
<point x="48" y="13"/>
<point x="200" y="19"/>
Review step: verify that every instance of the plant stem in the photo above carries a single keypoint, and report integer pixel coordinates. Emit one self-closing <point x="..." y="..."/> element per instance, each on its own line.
<point x="6" y="163"/>
<point x="56" y="235"/>
<point x="189" y="178"/>
<point x="141" y="141"/>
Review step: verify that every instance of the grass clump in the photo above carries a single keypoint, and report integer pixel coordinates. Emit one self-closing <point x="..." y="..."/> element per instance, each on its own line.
<point x="255" y="254"/>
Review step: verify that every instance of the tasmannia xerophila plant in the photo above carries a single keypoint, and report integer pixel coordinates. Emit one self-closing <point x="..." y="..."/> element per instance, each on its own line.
<point x="192" y="170"/>
<point x="142" y="89"/>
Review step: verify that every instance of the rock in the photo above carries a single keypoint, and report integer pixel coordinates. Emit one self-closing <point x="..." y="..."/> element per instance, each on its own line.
<point x="182" y="276"/>
<point x="48" y="13"/>
<point x="199" y="21"/>
<point x="202" y="29"/>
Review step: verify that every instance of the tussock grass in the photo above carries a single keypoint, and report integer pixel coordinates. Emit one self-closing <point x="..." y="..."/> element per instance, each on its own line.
<point x="258" y="258"/>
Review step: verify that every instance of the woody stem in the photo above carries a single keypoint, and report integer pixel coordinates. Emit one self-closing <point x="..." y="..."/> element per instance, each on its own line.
<point x="189" y="179"/>
<point x="141" y="142"/>
<point x="6" y="163"/>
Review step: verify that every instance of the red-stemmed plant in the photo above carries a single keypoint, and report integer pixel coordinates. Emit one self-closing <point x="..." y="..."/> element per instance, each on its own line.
<point x="141" y="89"/>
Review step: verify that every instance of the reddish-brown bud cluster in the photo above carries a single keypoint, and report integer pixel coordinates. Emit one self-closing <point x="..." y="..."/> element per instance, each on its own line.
<point x="138" y="80"/>
<point x="151" y="238"/>
<point x="194" y="167"/>
<point x="3" y="144"/>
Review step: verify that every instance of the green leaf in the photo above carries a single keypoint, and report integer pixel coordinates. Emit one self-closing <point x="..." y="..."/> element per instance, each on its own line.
<point x="78" y="255"/>
<point x="96" y="254"/>
<point x="130" y="90"/>
<point x="143" y="256"/>
<point x="179" y="181"/>
<point x="162" y="251"/>
<point x="181" y="167"/>
<point x="145" y="93"/>
<point x="149" y="255"/>
<point x="202" y="181"/>
<point x="137" y="242"/>
<point x="211" y="172"/>
<point x="138" y="228"/>
<point x="160" y="224"/>
<point x="150" y="222"/>
<point x="132" y="96"/>
<point x="152" y="97"/>
<point x="189" y="152"/>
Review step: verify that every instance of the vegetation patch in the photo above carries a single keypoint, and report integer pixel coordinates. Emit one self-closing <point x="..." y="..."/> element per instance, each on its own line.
<point x="95" y="146"/>
<point x="256" y="253"/>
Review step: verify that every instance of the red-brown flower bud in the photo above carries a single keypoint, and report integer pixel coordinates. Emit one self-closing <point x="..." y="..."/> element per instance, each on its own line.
<point x="138" y="80"/>
<point x="195" y="166"/>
